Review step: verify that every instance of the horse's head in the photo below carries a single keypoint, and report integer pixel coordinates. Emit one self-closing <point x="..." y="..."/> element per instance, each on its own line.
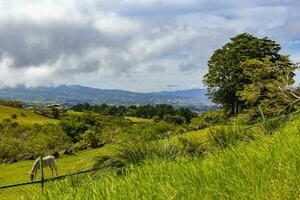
<point x="31" y="176"/>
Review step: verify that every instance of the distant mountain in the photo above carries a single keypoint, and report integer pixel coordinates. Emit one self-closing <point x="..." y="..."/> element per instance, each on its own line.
<point x="194" y="93"/>
<point x="73" y="94"/>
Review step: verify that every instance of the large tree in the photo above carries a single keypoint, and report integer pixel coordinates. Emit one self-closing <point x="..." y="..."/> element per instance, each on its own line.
<point x="226" y="76"/>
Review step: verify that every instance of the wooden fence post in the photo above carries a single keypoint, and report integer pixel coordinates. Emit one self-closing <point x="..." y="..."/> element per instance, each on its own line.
<point x="42" y="172"/>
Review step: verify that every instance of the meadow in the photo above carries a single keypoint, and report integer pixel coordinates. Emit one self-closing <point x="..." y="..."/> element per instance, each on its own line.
<point x="266" y="168"/>
<point x="145" y="159"/>
<point x="24" y="116"/>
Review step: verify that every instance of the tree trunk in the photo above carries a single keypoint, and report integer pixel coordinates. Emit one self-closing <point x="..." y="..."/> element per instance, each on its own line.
<point x="232" y="108"/>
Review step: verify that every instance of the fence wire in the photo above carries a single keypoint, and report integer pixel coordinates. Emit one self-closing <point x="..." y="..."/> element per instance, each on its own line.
<point x="29" y="190"/>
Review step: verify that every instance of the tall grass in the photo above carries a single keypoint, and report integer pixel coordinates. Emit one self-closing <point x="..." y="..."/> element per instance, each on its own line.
<point x="136" y="152"/>
<point x="263" y="169"/>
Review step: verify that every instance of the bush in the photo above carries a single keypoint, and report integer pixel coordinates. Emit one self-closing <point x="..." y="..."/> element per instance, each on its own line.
<point x="208" y="119"/>
<point x="19" y="141"/>
<point x="156" y="119"/>
<point x="91" y="138"/>
<point x="14" y="116"/>
<point x="174" y="119"/>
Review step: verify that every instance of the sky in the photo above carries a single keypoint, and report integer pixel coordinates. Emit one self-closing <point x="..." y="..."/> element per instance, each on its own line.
<point x="136" y="45"/>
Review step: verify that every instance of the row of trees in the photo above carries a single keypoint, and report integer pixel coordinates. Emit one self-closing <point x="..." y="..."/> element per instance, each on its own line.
<point x="158" y="112"/>
<point x="11" y="103"/>
<point x="249" y="73"/>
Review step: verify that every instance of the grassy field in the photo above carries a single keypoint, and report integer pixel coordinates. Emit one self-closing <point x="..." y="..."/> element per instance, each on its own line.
<point x="18" y="172"/>
<point x="254" y="169"/>
<point x="264" y="169"/>
<point x="24" y="116"/>
<point x="139" y="120"/>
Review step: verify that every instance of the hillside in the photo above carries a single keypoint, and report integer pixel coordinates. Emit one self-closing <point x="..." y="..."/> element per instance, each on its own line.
<point x="264" y="169"/>
<point x="24" y="116"/>
<point x="74" y="94"/>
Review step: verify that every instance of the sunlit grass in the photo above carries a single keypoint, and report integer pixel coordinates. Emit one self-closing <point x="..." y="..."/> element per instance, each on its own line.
<point x="139" y="120"/>
<point x="18" y="172"/>
<point x="267" y="168"/>
<point x="24" y="116"/>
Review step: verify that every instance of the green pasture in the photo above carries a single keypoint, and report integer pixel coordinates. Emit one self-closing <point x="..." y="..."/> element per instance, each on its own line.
<point x="139" y="120"/>
<point x="24" y="116"/>
<point x="18" y="172"/>
<point x="267" y="168"/>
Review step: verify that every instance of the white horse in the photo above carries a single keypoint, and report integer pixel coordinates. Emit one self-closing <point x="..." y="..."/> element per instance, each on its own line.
<point x="47" y="161"/>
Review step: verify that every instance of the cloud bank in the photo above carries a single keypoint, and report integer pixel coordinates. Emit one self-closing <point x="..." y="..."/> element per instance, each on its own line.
<point x="144" y="45"/>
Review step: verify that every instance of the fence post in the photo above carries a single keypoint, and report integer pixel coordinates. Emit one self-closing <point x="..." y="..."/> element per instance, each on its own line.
<point x="42" y="172"/>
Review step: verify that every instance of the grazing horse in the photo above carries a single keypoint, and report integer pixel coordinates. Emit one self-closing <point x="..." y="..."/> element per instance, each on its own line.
<point x="47" y="161"/>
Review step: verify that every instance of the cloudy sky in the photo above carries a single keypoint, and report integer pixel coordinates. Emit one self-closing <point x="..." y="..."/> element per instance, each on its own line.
<point x="137" y="45"/>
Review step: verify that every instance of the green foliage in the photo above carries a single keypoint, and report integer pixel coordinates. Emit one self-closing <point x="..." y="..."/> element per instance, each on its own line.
<point x="17" y="141"/>
<point x="91" y="138"/>
<point x="143" y="111"/>
<point x="174" y="119"/>
<point x="229" y="75"/>
<point x="207" y="119"/>
<point x="103" y="109"/>
<point x="75" y="125"/>
<point x="267" y="85"/>
<point x="156" y="118"/>
<point x="146" y="131"/>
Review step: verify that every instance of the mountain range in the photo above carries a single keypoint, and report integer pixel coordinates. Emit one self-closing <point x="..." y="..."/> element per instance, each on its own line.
<point x="73" y="94"/>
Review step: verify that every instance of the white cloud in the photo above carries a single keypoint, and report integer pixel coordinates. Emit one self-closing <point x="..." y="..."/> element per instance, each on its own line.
<point x="129" y="44"/>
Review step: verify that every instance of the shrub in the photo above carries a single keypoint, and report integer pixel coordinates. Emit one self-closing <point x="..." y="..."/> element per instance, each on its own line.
<point x="207" y="119"/>
<point x="156" y="119"/>
<point x="174" y="119"/>
<point x="91" y="138"/>
<point x="18" y="141"/>
<point x="14" y="116"/>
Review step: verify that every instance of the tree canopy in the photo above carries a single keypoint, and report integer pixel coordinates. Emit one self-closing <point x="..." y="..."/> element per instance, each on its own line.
<point x="243" y="72"/>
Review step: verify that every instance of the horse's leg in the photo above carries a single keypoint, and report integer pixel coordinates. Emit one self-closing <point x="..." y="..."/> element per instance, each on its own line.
<point x="55" y="167"/>
<point x="51" y="169"/>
